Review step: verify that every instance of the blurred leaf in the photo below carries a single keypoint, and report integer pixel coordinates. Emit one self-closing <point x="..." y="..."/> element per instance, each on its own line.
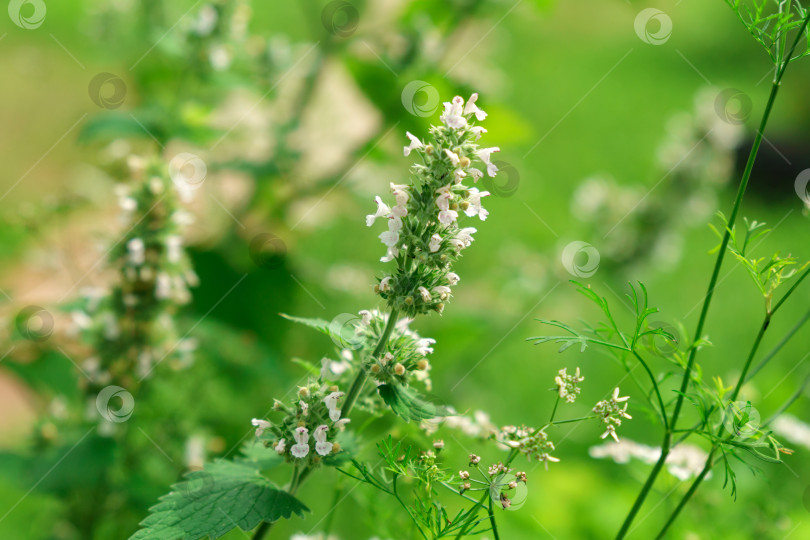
<point x="408" y="405"/>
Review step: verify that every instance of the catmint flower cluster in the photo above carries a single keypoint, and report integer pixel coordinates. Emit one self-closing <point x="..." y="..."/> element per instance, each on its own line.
<point x="131" y="327"/>
<point x="533" y="443"/>
<point x="567" y="384"/>
<point x="312" y="418"/>
<point x="405" y="354"/>
<point x="424" y="237"/>
<point x="611" y="411"/>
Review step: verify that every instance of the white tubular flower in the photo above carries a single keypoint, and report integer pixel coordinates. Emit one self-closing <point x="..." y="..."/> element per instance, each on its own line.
<point x="453" y="278"/>
<point x="304" y="408"/>
<point x="472" y="108"/>
<point x="280" y="446"/>
<point x="415" y="144"/>
<point x="448" y="217"/>
<point x="400" y="193"/>
<point x="465" y="235"/>
<point x="443" y="291"/>
<point x="475" y="207"/>
<point x="341" y="424"/>
<point x="136" y="251"/>
<point x="424" y="293"/>
<point x="382" y="211"/>
<point x="301" y="448"/>
<point x="390" y="255"/>
<point x="322" y="446"/>
<point x="389" y="238"/>
<point x="395" y="224"/>
<point x="484" y="155"/>
<point x="477" y="131"/>
<point x="385" y="285"/>
<point x="435" y="243"/>
<point x="453" y="116"/>
<point x="476" y="174"/>
<point x="261" y="425"/>
<point x="365" y="315"/>
<point x="454" y="159"/>
<point x="331" y="403"/>
<point x="423" y="346"/>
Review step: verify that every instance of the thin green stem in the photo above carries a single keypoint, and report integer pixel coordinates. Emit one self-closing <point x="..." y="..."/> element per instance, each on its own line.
<point x="767" y="358"/>
<point x="554" y="410"/>
<point x="492" y="521"/>
<point x="665" y="447"/>
<point x="655" y="387"/>
<point x="688" y="495"/>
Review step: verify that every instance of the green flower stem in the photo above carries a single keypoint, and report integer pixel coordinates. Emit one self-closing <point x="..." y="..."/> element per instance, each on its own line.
<point x="554" y="410"/>
<point x="665" y="447"/>
<point x="492" y="521"/>
<point x="351" y="399"/>
<point x="688" y="495"/>
<point x="762" y="363"/>
<point x="655" y="387"/>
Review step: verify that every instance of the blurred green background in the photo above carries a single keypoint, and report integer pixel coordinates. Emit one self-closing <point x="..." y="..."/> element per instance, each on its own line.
<point x="301" y="122"/>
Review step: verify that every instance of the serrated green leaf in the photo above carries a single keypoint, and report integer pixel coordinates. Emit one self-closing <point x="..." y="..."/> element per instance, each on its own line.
<point x="219" y="498"/>
<point x="409" y="405"/>
<point x="341" y="331"/>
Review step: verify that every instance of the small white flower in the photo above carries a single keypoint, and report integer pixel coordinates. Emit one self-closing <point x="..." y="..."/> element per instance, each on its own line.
<point x="385" y="284"/>
<point x="443" y="291"/>
<point x="453" y="114"/>
<point x="453" y="278"/>
<point x="382" y="211"/>
<point x="304" y="407"/>
<point x="261" y="425"/>
<point x="448" y="217"/>
<point x="322" y="446"/>
<point x="476" y="174"/>
<point x="475" y="204"/>
<point x="424" y="293"/>
<point x="301" y="448"/>
<point x="365" y="316"/>
<point x="465" y="235"/>
<point x="331" y="403"/>
<point x="394" y="224"/>
<point x="400" y="193"/>
<point x="389" y="238"/>
<point x="484" y="154"/>
<point x="281" y="446"/>
<point x="390" y="255"/>
<point x="415" y="144"/>
<point x="435" y="243"/>
<point x="477" y="131"/>
<point x="472" y="108"/>
<point x="454" y="159"/>
<point x="136" y="251"/>
<point x="423" y="346"/>
<point x="340" y="424"/>
<point x="128" y="204"/>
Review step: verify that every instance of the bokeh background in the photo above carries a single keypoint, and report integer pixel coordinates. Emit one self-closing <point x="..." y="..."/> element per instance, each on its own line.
<point x="621" y="139"/>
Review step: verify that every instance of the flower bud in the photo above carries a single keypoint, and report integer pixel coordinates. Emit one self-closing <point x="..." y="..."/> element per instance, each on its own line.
<point x="422" y="364"/>
<point x="399" y="369"/>
<point x="303" y="391"/>
<point x="375" y="368"/>
<point x="464" y="162"/>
